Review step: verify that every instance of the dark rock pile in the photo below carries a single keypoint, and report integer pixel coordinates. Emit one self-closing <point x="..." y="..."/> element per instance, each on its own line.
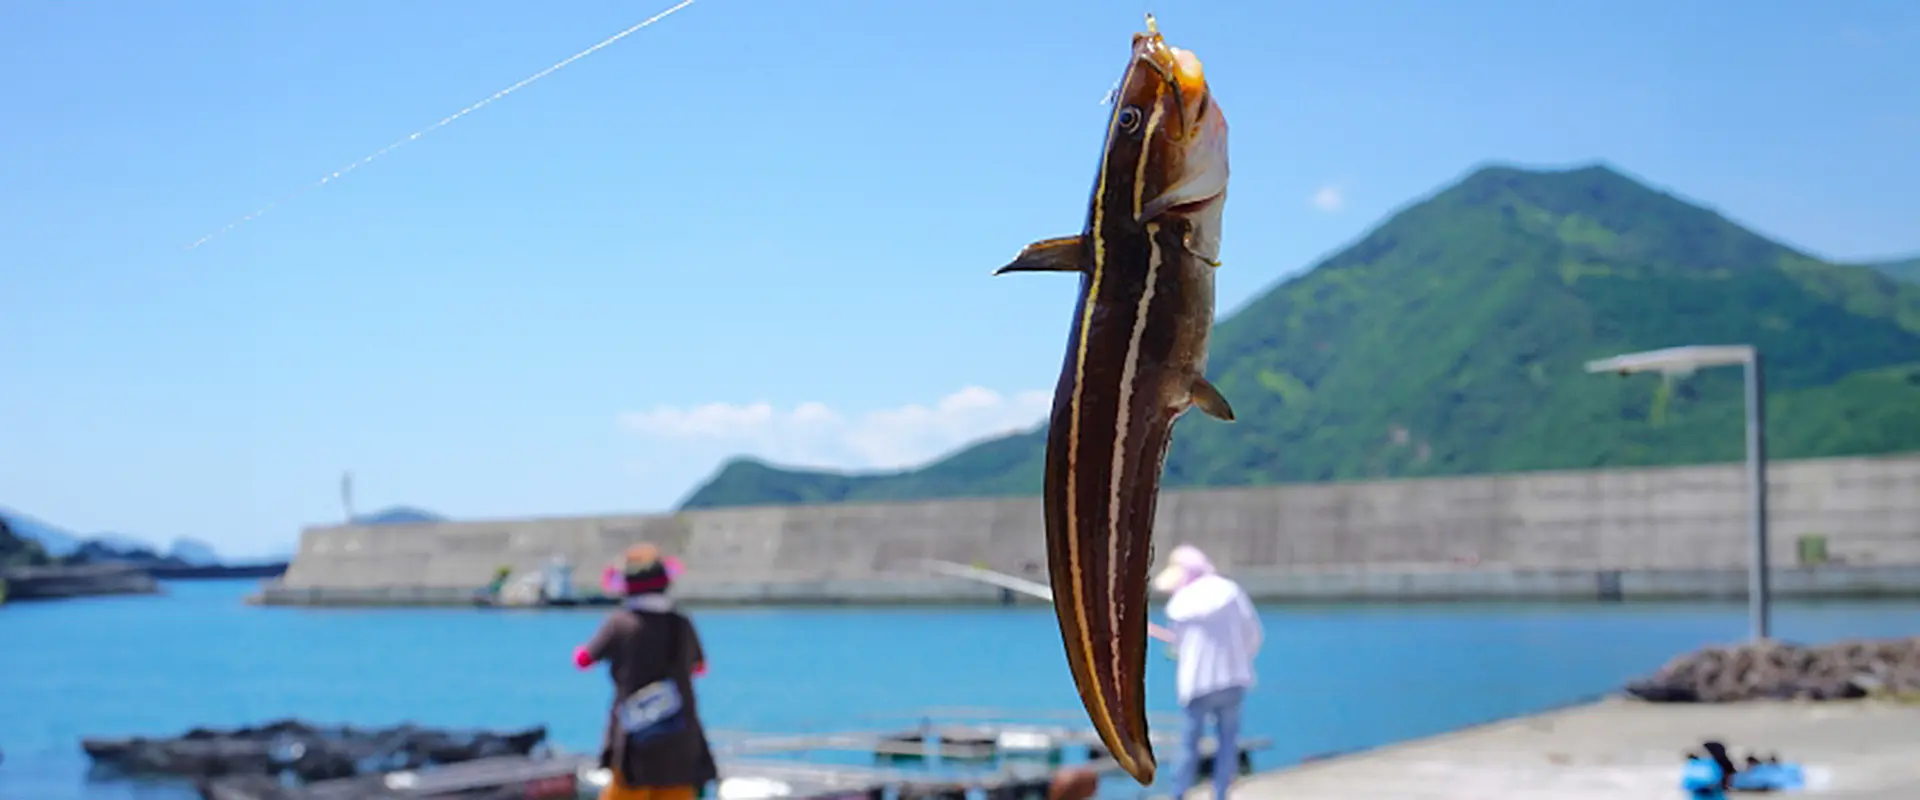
<point x="1780" y="671"/>
<point x="309" y="752"/>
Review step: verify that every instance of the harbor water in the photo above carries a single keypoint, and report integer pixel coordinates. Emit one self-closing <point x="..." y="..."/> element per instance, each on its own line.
<point x="1331" y="678"/>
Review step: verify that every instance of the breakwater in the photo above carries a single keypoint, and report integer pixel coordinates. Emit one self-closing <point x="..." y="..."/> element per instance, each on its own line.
<point x="83" y="580"/>
<point x="1841" y="527"/>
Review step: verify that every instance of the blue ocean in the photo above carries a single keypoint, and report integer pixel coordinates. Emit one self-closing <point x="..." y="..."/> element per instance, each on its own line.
<point x="1332" y="678"/>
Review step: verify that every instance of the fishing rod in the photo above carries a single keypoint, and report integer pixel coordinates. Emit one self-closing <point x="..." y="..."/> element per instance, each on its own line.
<point x="1017" y="584"/>
<point x="987" y="576"/>
<point x="444" y="121"/>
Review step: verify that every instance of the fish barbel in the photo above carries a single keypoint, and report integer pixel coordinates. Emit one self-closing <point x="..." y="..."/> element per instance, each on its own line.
<point x="1136" y="360"/>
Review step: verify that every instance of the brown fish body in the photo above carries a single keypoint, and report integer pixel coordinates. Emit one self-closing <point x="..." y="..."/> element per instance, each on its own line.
<point x="1136" y="360"/>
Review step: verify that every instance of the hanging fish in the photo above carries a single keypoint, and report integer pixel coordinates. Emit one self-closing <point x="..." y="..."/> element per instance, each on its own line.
<point x="1136" y="360"/>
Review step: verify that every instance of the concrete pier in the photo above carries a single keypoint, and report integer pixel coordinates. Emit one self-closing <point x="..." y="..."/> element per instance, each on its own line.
<point x="1620" y="749"/>
<point x="1841" y="527"/>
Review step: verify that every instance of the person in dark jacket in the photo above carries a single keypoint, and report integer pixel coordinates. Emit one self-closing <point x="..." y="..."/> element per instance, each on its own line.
<point x="655" y="745"/>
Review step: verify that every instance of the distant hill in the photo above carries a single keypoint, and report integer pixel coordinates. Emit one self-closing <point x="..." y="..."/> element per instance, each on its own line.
<point x="193" y="552"/>
<point x="105" y="551"/>
<point x="64" y="544"/>
<point x="187" y="558"/>
<point x="1451" y="340"/>
<point x="398" y="515"/>
<point x="118" y="541"/>
<point x="1905" y="269"/>
<point x="54" y="540"/>
<point x="17" y="550"/>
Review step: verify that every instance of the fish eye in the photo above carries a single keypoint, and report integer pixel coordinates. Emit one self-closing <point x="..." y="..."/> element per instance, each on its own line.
<point x="1130" y="119"/>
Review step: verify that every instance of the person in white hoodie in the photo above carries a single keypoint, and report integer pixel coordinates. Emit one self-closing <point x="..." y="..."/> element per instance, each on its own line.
<point x="1215" y="633"/>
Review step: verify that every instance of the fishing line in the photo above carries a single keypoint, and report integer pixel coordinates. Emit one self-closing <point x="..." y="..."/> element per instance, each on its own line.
<point x="336" y="174"/>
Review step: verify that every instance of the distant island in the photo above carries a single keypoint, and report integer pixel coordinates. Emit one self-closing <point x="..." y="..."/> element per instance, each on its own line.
<point x="398" y="515"/>
<point x="18" y="550"/>
<point x="26" y="541"/>
<point x="38" y="559"/>
<point x="1452" y="338"/>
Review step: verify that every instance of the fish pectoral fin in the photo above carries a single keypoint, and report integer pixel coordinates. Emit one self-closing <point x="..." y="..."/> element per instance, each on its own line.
<point x="1209" y="400"/>
<point x="1064" y="254"/>
<point x="1187" y="242"/>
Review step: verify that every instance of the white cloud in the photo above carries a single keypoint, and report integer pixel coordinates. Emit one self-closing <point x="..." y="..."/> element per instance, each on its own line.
<point x="1329" y="198"/>
<point x="813" y="434"/>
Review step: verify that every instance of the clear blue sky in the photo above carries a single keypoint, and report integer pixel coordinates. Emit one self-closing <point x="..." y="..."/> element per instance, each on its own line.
<point x="569" y="301"/>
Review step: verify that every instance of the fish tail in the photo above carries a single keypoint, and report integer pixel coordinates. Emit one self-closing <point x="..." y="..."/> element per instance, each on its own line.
<point x="1099" y="560"/>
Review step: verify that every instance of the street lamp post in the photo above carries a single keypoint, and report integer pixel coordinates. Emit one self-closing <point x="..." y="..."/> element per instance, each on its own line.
<point x="346" y="496"/>
<point x="1684" y="361"/>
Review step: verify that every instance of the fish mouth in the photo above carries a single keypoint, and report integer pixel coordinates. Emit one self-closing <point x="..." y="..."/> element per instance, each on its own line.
<point x="1198" y="128"/>
<point x="1179" y="69"/>
<point x="1158" y="57"/>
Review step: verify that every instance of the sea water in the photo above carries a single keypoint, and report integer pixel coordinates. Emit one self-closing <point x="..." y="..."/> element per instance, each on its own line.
<point x="1331" y="678"/>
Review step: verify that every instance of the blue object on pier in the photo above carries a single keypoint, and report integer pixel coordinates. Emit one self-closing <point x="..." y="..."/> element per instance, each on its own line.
<point x="1769" y="778"/>
<point x="1700" y="778"/>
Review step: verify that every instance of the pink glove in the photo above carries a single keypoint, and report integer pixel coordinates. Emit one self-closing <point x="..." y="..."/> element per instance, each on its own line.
<point x="582" y="659"/>
<point x="673" y="565"/>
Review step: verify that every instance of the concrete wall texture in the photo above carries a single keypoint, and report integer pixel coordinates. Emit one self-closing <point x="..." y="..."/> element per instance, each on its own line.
<point x="1543" y="533"/>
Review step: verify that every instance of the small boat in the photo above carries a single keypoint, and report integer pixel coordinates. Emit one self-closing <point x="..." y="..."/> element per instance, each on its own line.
<point x="551" y="587"/>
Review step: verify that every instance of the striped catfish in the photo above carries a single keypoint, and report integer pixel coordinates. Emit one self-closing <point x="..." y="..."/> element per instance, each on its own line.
<point x="1135" y="362"/>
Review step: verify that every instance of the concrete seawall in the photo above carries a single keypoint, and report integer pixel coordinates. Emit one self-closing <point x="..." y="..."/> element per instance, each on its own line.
<point x="1674" y="532"/>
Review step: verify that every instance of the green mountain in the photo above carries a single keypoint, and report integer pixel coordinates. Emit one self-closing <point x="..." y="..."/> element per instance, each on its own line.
<point x="1452" y="340"/>
<point x="1905" y="269"/>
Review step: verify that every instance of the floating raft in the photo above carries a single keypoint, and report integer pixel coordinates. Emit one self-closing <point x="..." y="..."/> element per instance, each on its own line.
<point x="497" y="778"/>
<point x="949" y="761"/>
<point x="304" y="751"/>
